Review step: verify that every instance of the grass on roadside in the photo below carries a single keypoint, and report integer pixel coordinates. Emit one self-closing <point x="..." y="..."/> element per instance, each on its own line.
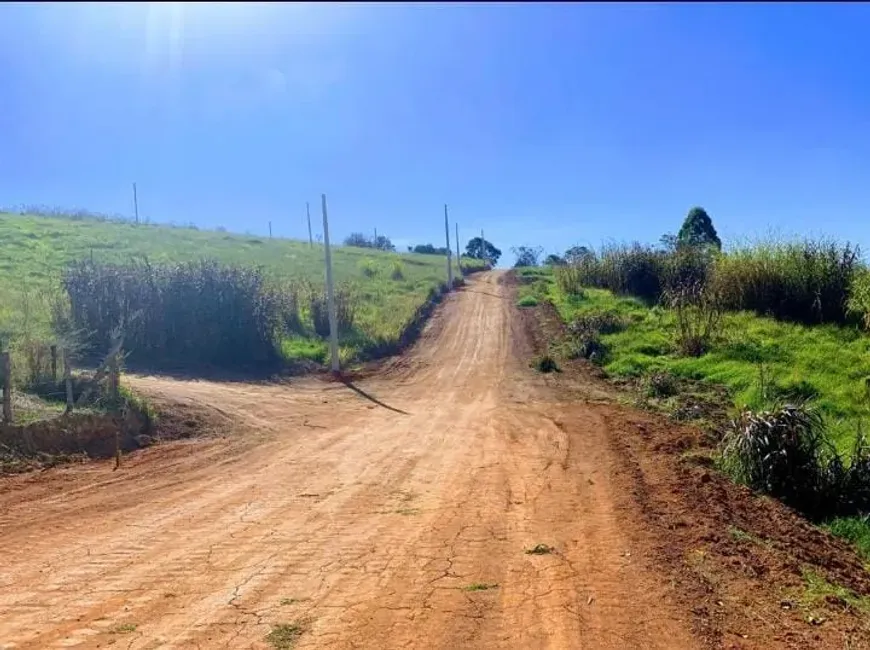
<point x="388" y="287"/>
<point x="757" y="359"/>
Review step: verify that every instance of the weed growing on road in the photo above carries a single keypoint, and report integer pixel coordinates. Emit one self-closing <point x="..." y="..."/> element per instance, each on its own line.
<point x="285" y="635"/>
<point x="292" y="601"/>
<point x="539" y="549"/>
<point x="479" y="586"/>
<point x="124" y="628"/>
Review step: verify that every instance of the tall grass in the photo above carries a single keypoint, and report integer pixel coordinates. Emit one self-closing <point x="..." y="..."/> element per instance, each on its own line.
<point x="802" y="281"/>
<point x="193" y="313"/>
<point x="807" y="281"/>
<point x="345" y="309"/>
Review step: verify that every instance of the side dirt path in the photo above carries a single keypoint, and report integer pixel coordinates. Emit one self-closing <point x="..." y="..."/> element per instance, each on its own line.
<point x="455" y="499"/>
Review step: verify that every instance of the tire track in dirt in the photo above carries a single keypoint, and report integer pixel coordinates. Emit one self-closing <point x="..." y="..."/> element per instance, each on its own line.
<point x="368" y="524"/>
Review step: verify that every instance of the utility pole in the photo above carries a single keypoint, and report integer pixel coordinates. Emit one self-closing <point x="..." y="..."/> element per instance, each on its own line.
<point x="270" y="230"/>
<point x="135" y="204"/>
<point x="376" y="238"/>
<point x="458" y="256"/>
<point x="482" y="247"/>
<point x="310" y="238"/>
<point x="330" y="295"/>
<point x="449" y="254"/>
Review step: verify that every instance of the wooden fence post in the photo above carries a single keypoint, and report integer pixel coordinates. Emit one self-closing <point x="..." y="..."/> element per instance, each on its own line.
<point x="54" y="363"/>
<point x="6" y="363"/>
<point x="67" y="380"/>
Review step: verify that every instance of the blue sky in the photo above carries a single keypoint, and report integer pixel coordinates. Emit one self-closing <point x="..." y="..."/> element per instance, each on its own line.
<point x="543" y="124"/>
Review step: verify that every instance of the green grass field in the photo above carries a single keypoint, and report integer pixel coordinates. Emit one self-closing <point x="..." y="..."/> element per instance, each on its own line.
<point x="826" y="363"/>
<point x="35" y="250"/>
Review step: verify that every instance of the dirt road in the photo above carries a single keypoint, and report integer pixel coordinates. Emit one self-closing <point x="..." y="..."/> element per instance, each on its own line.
<point x="393" y="514"/>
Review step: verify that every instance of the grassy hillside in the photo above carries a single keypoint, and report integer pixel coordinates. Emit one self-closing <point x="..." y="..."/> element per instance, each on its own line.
<point x="826" y="363"/>
<point x="34" y="250"/>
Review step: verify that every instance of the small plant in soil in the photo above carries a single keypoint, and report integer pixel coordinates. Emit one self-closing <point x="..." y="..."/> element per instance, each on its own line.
<point x="546" y="364"/>
<point x="539" y="549"/>
<point x="284" y="636"/>
<point x="479" y="586"/>
<point x="660" y="384"/>
<point x="527" y="301"/>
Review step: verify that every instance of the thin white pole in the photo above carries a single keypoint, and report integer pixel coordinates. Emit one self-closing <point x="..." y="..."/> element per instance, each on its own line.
<point x="449" y="254"/>
<point x="458" y="256"/>
<point x="310" y="238"/>
<point x="330" y="295"/>
<point x="135" y="203"/>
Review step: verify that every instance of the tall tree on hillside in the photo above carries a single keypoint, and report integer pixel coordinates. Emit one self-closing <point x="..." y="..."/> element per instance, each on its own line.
<point x="479" y="249"/>
<point x="698" y="230"/>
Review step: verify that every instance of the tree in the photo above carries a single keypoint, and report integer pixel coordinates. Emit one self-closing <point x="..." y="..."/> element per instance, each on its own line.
<point x="357" y="239"/>
<point x="361" y="241"/>
<point x="383" y="243"/>
<point x="698" y="230"/>
<point x="527" y="256"/>
<point x="554" y="260"/>
<point x="428" y="249"/>
<point x="669" y="242"/>
<point x="577" y="254"/>
<point x="480" y="249"/>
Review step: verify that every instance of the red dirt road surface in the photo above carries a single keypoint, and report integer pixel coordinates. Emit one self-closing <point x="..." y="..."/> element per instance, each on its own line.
<point x="395" y="512"/>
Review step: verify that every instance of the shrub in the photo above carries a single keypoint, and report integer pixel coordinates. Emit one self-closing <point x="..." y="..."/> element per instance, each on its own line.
<point x="368" y="267"/>
<point x="604" y="322"/>
<point x="397" y="271"/>
<point x="527" y="301"/>
<point x="345" y="309"/>
<point x="698" y="313"/>
<point x="197" y="313"/>
<point x="787" y="453"/>
<point x="660" y="384"/>
<point x="546" y="364"/>
<point x="569" y="279"/>
<point x="806" y="281"/>
<point x="779" y="452"/>
<point x="858" y="303"/>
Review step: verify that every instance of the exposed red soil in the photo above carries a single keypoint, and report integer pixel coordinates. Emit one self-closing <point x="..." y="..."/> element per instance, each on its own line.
<point x="396" y="509"/>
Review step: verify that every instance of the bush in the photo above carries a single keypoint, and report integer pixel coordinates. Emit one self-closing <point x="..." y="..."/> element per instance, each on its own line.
<point x="196" y="313"/>
<point x="604" y="322"/>
<point x="858" y="303"/>
<point x="807" y="281"/>
<point x="780" y="453"/>
<point x="527" y="301"/>
<point x="787" y="453"/>
<point x="368" y="267"/>
<point x="569" y="279"/>
<point x="345" y="309"/>
<point x="698" y="313"/>
<point x="660" y="384"/>
<point x="546" y="364"/>
<point x="397" y="271"/>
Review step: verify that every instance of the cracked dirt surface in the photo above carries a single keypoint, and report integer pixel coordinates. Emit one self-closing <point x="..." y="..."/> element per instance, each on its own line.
<point x="394" y="514"/>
